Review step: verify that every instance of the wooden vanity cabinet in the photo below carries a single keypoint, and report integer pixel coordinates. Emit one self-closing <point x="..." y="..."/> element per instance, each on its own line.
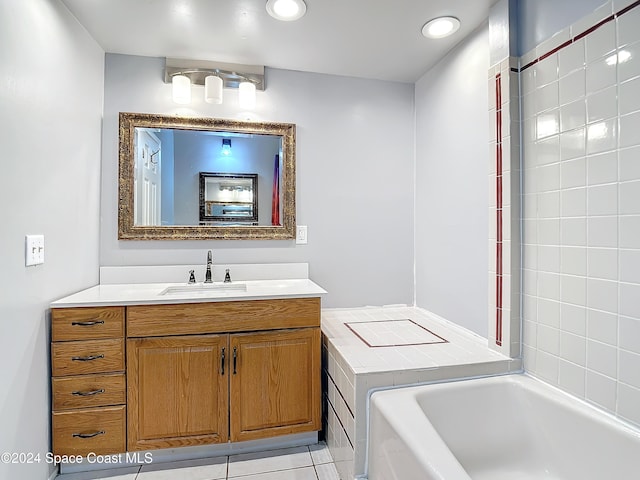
<point x="221" y="382"/>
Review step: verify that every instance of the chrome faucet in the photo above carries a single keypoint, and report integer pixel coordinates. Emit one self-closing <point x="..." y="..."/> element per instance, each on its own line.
<point x="207" y="275"/>
<point x="192" y="277"/>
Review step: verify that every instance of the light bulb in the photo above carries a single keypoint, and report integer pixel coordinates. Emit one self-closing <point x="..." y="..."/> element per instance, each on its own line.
<point x="181" y="89"/>
<point x="213" y="89"/>
<point x="247" y="95"/>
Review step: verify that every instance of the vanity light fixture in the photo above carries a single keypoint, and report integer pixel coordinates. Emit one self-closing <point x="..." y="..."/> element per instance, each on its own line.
<point x="286" y="10"/>
<point x="182" y="74"/>
<point x="226" y="146"/>
<point x="441" y="27"/>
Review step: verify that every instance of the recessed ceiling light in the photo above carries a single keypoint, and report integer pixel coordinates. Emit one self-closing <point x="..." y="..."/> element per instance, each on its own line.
<point x="286" y="10"/>
<point x="441" y="27"/>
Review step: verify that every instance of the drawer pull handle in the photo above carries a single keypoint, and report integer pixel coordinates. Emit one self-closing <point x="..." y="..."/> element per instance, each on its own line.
<point x="88" y="435"/>
<point x="88" y="394"/>
<point x="222" y="362"/>
<point x="90" y="323"/>
<point x="235" y="359"/>
<point x="87" y="358"/>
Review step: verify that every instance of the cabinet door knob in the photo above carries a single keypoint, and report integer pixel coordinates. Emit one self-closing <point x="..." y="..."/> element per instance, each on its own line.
<point x="222" y="362"/>
<point x="89" y="323"/>
<point x="87" y="358"/>
<point x="235" y="359"/>
<point x="89" y="393"/>
<point x="88" y="435"/>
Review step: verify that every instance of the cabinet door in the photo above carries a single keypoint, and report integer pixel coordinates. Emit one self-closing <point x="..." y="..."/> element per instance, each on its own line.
<point x="177" y="391"/>
<point x="275" y="383"/>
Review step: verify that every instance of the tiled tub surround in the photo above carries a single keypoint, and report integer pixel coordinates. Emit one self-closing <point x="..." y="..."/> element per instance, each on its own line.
<point x="352" y="369"/>
<point x="581" y="209"/>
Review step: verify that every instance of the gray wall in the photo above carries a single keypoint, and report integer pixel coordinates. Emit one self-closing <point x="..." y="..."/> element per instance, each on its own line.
<point x="452" y="185"/>
<point x="354" y="178"/>
<point x="539" y="20"/>
<point x="51" y="85"/>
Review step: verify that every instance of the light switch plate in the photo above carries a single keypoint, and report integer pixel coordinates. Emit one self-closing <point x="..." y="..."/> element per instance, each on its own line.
<point x="301" y="235"/>
<point x="34" y="250"/>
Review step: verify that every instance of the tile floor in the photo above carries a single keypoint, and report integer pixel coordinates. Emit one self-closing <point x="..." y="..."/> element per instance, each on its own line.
<point x="311" y="462"/>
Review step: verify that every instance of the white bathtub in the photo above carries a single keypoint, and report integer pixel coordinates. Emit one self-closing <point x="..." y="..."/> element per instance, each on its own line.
<point x="512" y="427"/>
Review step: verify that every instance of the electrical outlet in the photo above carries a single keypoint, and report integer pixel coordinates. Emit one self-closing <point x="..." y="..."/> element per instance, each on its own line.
<point x="34" y="250"/>
<point x="301" y="235"/>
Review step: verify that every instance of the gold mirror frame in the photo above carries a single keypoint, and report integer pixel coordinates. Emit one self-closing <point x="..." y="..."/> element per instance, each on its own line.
<point x="127" y="230"/>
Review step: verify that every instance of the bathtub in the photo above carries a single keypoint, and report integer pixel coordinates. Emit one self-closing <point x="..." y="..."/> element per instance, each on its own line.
<point x="512" y="427"/>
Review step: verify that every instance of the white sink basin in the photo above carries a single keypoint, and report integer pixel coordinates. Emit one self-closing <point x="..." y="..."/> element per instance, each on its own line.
<point x="204" y="289"/>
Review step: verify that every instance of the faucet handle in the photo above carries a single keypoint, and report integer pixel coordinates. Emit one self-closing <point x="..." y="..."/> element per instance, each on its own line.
<point x="227" y="276"/>
<point x="192" y="276"/>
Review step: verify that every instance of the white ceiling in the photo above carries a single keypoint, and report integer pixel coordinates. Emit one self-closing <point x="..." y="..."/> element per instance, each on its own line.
<point x="377" y="39"/>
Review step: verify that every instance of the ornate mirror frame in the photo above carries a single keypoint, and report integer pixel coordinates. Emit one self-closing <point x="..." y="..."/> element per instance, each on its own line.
<point x="127" y="230"/>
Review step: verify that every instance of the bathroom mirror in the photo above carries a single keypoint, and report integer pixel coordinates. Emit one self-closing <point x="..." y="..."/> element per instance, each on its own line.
<point x="162" y="159"/>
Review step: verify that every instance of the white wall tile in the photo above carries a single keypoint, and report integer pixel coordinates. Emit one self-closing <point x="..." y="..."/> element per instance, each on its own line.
<point x="549" y="285"/>
<point x="629" y="99"/>
<point x="572" y="144"/>
<point x="630" y="368"/>
<point x="573" y="319"/>
<point x="630" y="266"/>
<point x="573" y="231"/>
<point x="602" y="358"/>
<point x="602" y="263"/>
<point x="547" y="97"/>
<point x="548" y="261"/>
<point x="548" y="179"/>
<point x="602" y="168"/>
<point x="602" y="136"/>
<point x="573" y="348"/>
<point x="602" y="295"/>
<point x="547" y="366"/>
<point x="630" y="231"/>
<point x="573" y="173"/>
<point x="630" y="197"/>
<point x="602" y="105"/>
<point x="602" y="326"/>
<point x="549" y="231"/>
<point x="528" y="81"/>
<point x="628" y="27"/>
<point x="573" y="115"/>
<point x="548" y="123"/>
<point x="548" y="312"/>
<point x="548" y="150"/>
<point x="546" y="71"/>
<point x="629" y="164"/>
<point x="571" y="58"/>
<point x="629" y="333"/>
<point x="630" y="130"/>
<point x="601" y="390"/>
<point x="630" y="68"/>
<point x="629" y="304"/>
<point x="574" y="202"/>
<point x="600" y="42"/>
<point x="573" y="260"/>
<point x="628" y="401"/>
<point x="573" y="289"/>
<point x="602" y="199"/>
<point x="572" y="378"/>
<point x="599" y="75"/>
<point x="572" y="87"/>
<point x="591" y="19"/>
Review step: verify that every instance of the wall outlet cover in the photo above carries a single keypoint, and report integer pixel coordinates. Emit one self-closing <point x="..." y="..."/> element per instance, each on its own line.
<point x="34" y="250"/>
<point x="301" y="235"/>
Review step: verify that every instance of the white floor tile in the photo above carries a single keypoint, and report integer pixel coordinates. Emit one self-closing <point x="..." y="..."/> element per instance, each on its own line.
<point x="327" y="471"/>
<point x="306" y="473"/>
<point x="128" y="473"/>
<point x="274" y="460"/>
<point x="320" y="453"/>
<point x="203" y="469"/>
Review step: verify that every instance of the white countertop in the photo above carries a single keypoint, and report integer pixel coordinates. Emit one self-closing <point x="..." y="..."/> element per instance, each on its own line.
<point x="149" y="293"/>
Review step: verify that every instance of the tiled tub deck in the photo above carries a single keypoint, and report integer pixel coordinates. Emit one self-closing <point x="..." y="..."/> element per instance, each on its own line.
<point x="375" y="347"/>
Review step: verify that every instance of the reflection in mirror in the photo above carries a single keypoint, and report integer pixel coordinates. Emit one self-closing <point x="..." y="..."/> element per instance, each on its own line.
<point x="167" y="188"/>
<point x="229" y="198"/>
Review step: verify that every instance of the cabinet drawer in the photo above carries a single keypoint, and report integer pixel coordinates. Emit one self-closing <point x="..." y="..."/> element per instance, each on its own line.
<point x="86" y="323"/>
<point x="89" y="391"/>
<point x="98" y="430"/>
<point x="89" y="356"/>
<point x="222" y="317"/>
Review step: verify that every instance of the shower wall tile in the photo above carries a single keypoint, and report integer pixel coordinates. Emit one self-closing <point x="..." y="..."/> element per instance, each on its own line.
<point x="581" y="210"/>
